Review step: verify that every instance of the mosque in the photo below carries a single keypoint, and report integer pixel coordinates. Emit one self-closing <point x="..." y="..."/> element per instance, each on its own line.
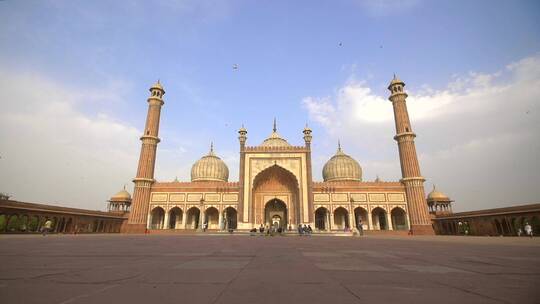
<point x="276" y="186"/>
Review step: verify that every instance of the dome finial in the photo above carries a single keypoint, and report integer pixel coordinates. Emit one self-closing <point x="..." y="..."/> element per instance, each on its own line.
<point x="275" y="127"/>
<point x="211" y="148"/>
<point x="339" y="145"/>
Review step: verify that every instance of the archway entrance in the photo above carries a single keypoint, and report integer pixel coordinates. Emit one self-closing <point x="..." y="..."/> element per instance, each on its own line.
<point x="275" y="183"/>
<point x="231" y="217"/>
<point x="175" y="218"/>
<point x="192" y="218"/>
<point x="212" y="218"/>
<point x="379" y="219"/>
<point x="341" y="219"/>
<point x="361" y="218"/>
<point x="156" y="220"/>
<point x="275" y="214"/>
<point x="321" y="219"/>
<point x="399" y="219"/>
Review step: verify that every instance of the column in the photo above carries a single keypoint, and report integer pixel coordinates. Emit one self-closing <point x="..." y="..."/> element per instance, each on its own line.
<point x="326" y="222"/>
<point x="220" y="220"/>
<point x="201" y="217"/>
<point x="166" y="221"/>
<point x="184" y="220"/>
<point x="148" y="218"/>
<point x="389" y="220"/>
<point x="330" y="217"/>
<point x="370" y="220"/>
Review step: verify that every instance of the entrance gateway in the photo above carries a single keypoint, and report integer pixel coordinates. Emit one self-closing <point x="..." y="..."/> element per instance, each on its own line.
<point x="275" y="214"/>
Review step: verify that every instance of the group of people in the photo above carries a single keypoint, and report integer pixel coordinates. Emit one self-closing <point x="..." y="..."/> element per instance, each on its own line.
<point x="304" y="229"/>
<point x="528" y="230"/>
<point x="276" y="229"/>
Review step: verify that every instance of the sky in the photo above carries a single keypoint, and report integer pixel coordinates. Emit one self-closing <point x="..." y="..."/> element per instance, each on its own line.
<point x="74" y="79"/>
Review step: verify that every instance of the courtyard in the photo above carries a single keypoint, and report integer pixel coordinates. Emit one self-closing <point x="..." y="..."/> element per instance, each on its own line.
<point x="116" y="268"/>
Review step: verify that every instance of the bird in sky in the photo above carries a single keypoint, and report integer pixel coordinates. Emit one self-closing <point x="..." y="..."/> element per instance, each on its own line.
<point x="235" y="67"/>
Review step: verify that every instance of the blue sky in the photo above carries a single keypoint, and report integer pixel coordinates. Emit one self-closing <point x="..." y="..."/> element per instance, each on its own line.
<point x="94" y="60"/>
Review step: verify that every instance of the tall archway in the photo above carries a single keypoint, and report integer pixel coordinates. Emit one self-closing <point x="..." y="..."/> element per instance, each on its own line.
<point x="3" y="222"/>
<point x="379" y="219"/>
<point x="399" y="219"/>
<point x="13" y="223"/>
<point x="275" y="213"/>
<point x="321" y="219"/>
<point x="341" y="218"/>
<point x="175" y="218"/>
<point x="212" y="218"/>
<point x="231" y="218"/>
<point x="157" y="218"/>
<point x="192" y="218"/>
<point x="275" y="182"/>
<point x="498" y="227"/>
<point x="361" y="218"/>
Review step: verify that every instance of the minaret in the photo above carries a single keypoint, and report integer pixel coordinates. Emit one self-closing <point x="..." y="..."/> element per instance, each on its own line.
<point x="242" y="137"/>
<point x="420" y="221"/>
<point x="147" y="160"/>
<point x="307" y="140"/>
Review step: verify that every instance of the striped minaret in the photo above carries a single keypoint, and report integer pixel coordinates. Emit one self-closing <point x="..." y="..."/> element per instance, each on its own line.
<point x="147" y="160"/>
<point x="420" y="221"/>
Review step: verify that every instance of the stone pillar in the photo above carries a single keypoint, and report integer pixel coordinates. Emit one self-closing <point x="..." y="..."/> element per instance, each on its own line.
<point x="389" y="220"/>
<point x="410" y="169"/>
<point x="330" y="219"/>
<point x="185" y="220"/>
<point x="147" y="159"/>
<point x="326" y="222"/>
<point x="220" y="220"/>
<point x="370" y="220"/>
<point x="166" y="221"/>
<point x="201" y="218"/>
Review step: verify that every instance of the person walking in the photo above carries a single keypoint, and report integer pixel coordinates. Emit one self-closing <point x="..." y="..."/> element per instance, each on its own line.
<point x="360" y="227"/>
<point x="519" y="232"/>
<point x="46" y="227"/>
<point x="528" y="230"/>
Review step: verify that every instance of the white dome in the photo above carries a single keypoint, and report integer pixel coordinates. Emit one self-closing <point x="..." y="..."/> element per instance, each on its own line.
<point x="210" y="168"/>
<point x="342" y="167"/>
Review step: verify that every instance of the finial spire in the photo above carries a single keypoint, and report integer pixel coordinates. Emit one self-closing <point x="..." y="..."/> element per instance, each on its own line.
<point x="211" y="147"/>
<point x="339" y="145"/>
<point x="275" y="127"/>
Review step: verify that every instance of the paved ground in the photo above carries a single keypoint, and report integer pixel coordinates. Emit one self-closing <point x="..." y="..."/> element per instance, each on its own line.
<point x="242" y="269"/>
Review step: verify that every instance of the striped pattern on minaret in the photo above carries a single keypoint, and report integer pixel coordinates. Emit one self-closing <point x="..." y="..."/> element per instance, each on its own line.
<point x="147" y="159"/>
<point x="420" y="220"/>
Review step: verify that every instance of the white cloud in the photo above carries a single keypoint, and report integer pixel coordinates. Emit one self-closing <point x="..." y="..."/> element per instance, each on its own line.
<point x="52" y="152"/>
<point x="481" y="127"/>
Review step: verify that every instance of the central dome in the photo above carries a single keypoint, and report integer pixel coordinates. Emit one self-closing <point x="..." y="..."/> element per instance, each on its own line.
<point x="210" y="168"/>
<point x="342" y="167"/>
<point x="274" y="140"/>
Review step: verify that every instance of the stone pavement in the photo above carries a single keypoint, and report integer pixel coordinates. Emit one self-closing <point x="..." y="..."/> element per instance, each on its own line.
<point x="243" y="269"/>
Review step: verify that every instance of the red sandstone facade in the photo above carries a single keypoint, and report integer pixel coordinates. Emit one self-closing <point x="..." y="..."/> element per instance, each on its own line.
<point x="276" y="186"/>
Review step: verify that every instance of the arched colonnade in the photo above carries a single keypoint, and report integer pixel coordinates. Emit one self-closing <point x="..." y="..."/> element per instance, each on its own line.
<point x="378" y="219"/>
<point x="178" y="218"/>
